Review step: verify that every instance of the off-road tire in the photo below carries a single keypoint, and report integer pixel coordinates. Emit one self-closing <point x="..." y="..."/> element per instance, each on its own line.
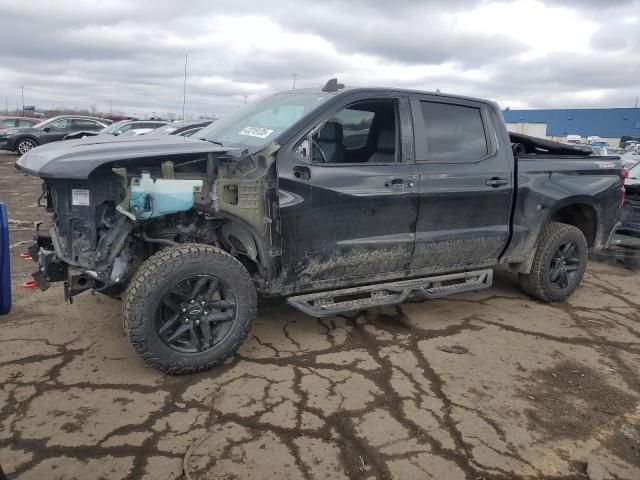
<point x="537" y="283"/>
<point x="144" y="293"/>
<point x="30" y="144"/>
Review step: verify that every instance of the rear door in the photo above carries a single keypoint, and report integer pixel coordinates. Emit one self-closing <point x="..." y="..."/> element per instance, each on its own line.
<point x="466" y="185"/>
<point x="350" y="210"/>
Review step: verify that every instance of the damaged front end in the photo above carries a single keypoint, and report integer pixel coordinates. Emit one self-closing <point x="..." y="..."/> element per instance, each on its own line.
<point x="106" y="225"/>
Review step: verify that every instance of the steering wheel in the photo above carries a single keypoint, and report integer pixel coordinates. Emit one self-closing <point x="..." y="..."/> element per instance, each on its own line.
<point x="318" y="148"/>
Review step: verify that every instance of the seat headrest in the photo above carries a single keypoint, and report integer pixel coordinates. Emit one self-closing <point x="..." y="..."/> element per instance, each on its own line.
<point x="387" y="141"/>
<point x="331" y="132"/>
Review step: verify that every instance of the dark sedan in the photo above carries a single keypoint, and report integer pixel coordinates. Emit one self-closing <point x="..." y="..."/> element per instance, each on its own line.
<point x="21" y="140"/>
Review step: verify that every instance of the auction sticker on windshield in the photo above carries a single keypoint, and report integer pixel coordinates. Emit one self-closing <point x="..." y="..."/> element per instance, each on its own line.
<point x="256" y="132"/>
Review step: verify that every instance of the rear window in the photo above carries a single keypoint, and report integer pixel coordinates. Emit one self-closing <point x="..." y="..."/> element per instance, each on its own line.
<point x="453" y="133"/>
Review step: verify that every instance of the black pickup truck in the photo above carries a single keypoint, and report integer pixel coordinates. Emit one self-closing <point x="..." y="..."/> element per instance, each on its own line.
<point x="337" y="199"/>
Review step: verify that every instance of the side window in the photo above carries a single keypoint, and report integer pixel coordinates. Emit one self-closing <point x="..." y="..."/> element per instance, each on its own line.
<point x="364" y="132"/>
<point x="9" y="123"/>
<point x="62" y="124"/>
<point x="454" y="133"/>
<point x="26" y="123"/>
<point x="356" y="125"/>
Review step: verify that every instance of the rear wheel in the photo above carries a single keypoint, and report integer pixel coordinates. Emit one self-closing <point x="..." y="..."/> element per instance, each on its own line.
<point x="558" y="265"/>
<point x="188" y="308"/>
<point x="24" y="145"/>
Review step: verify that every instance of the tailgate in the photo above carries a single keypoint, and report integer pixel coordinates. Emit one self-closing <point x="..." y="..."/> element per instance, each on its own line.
<point x="5" y="276"/>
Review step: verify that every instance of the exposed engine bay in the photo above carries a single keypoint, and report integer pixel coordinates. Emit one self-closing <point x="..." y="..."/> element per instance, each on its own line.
<point x="105" y="226"/>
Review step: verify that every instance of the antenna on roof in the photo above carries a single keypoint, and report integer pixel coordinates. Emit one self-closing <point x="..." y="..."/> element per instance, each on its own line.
<point x="332" y="86"/>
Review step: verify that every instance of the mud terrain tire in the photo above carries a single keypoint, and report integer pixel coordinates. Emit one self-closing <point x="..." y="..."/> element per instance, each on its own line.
<point x="152" y="285"/>
<point x="554" y="275"/>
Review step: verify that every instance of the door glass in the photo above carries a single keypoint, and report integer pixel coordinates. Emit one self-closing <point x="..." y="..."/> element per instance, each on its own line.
<point x="454" y="133"/>
<point x="363" y="132"/>
<point x="7" y="123"/>
<point x="26" y="123"/>
<point x="86" y="125"/>
<point x="62" y="124"/>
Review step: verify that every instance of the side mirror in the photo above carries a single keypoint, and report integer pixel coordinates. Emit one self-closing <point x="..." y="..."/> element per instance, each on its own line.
<point x="47" y="129"/>
<point x="116" y="133"/>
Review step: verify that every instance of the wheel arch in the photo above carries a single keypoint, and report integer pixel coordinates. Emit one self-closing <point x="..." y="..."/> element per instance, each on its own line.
<point x="23" y="137"/>
<point x="579" y="213"/>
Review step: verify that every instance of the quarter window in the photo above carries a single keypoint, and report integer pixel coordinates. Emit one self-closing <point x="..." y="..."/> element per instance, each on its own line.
<point x="453" y="133"/>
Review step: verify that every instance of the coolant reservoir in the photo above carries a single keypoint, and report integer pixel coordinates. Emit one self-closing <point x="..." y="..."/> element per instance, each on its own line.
<point x="151" y="198"/>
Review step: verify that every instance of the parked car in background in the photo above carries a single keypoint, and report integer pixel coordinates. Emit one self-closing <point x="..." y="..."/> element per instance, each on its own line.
<point x="574" y="139"/>
<point x="185" y="128"/>
<point x="21" y="140"/>
<point x="119" y="128"/>
<point x="631" y="209"/>
<point x="18" y="122"/>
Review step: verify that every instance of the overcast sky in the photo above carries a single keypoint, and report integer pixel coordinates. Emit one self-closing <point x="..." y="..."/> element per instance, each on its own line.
<point x="524" y="54"/>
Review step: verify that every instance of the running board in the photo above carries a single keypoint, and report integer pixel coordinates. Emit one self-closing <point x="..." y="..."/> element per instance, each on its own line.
<point x="327" y="304"/>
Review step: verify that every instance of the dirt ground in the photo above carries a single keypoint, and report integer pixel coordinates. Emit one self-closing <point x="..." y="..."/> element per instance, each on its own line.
<point x="489" y="385"/>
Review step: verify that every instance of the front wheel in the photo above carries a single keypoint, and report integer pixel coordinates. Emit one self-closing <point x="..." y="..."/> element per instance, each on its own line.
<point x="188" y="308"/>
<point x="558" y="265"/>
<point x="24" y="145"/>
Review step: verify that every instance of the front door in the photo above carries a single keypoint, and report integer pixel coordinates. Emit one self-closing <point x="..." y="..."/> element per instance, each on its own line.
<point x="56" y="131"/>
<point x="466" y="185"/>
<point x="348" y="196"/>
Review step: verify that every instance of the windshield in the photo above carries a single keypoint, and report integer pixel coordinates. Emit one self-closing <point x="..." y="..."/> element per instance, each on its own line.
<point x="257" y="124"/>
<point x="165" y="130"/>
<point x="114" y="127"/>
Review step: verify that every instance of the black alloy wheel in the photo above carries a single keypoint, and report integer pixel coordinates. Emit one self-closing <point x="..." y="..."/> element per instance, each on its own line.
<point x="565" y="265"/>
<point x="196" y="314"/>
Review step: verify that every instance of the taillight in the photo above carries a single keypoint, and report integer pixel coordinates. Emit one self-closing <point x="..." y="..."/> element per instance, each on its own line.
<point x="623" y="192"/>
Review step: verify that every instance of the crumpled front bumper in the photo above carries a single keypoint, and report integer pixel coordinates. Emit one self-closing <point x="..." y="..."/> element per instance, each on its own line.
<point x="50" y="268"/>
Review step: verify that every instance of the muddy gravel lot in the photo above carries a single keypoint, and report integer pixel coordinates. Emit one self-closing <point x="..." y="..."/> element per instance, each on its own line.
<point x="489" y="385"/>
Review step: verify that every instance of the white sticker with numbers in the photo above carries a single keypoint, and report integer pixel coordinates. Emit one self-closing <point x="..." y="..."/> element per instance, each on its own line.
<point x="256" y="132"/>
<point x="80" y="197"/>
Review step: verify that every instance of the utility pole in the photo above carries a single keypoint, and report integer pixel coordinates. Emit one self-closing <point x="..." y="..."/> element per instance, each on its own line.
<point x="637" y="101"/>
<point x="6" y="104"/>
<point x="22" y="88"/>
<point x="184" y="87"/>
<point x="111" y="107"/>
<point x="294" y="75"/>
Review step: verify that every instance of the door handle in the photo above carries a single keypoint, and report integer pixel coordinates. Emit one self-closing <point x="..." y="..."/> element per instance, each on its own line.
<point x="302" y="173"/>
<point x="497" y="182"/>
<point x="398" y="183"/>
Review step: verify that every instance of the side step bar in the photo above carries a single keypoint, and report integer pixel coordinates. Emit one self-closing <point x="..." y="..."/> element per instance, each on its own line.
<point x="327" y="304"/>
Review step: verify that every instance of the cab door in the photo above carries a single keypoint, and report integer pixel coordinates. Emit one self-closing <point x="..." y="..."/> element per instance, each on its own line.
<point x="348" y="195"/>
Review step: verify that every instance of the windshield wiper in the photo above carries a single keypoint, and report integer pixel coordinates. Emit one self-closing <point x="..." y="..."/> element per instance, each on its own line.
<point x="212" y="141"/>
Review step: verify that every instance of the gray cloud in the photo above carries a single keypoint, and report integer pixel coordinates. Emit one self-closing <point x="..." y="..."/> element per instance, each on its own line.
<point x="130" y="52"/>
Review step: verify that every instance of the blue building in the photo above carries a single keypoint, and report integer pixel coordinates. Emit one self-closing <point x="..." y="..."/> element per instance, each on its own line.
<point x="609" y="123"/>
